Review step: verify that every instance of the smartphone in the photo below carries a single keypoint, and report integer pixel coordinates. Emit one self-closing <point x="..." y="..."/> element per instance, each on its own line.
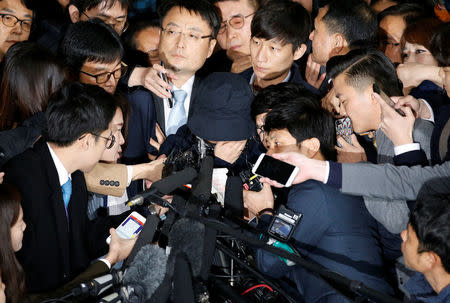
<point x="274" y="169"/>
<point x="344" y="129"/>
<point x="163" y="76"/>
<point x="387" y="99"/>
<point x="130" y="227"/>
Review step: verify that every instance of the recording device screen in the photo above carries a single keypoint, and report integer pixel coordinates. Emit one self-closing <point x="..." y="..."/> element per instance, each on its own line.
<point x="281" y="228"/>
<point x="275" y="169"/>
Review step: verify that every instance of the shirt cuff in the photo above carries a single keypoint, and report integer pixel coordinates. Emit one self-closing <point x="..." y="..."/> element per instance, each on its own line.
<point x="106" y="262"/>
<point x="431" y="119"/>
<point x="327" y="172"/>
<point x="129" y="174"/>
<point x="401" y="149"/>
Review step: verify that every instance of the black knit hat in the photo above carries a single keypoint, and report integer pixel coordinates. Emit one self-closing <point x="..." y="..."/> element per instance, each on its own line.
<point x="222" y="108"/>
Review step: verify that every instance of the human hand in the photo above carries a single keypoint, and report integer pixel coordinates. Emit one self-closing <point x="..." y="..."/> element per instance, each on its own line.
<point x="332" y="104"/>
<point x="241" y="61"/>
<point x="312" y="73"/>
<point x="350" y="153"/>
<point x="308" y="168"/>
<point x="229" y="151"/>
<point x="256" y="201"/>
<point x="119" y="248"/>
<point x="160" y="138"/>
<point x="419" y="108"/>
<point x="412" y="74"/>
<point x="1" y="177"/>
<point x="397" y="128"/>
<point x="150" y="79"/>
<point x="149" y="171"/>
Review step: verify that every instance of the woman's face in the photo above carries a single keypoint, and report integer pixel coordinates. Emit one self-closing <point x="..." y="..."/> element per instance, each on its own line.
<point x="17" y="232"/>
<point x="416" y="53"/>
<point x="2" y="291"/>
<point x="113" y="154"/>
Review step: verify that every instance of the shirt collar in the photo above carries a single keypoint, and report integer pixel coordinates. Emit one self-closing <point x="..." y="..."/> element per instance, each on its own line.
<point x="419" y="288"/>
<point x="187" y="86"/>
<point x="63" y="174"/>
<point x="252" y="78"/>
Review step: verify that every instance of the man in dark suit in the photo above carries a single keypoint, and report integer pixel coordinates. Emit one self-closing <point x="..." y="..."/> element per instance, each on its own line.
<point x="188" y="37"/>
<point x="340" y="236"/>
<point x="59" y="241"/>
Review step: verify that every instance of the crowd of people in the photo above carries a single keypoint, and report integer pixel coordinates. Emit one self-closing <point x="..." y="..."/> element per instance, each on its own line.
<point x="97" y="95"/>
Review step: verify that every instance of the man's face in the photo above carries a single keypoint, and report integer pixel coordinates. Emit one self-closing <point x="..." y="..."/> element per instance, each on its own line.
<point x="115" y="16"/>
<point x="113" y="154"/>
<point x="271" y="60"/>
<point x="98" y="68"/>
<point x="183" y="53"/>
<point x="410" y="247"/>
<point x="358" y="105"/>
<point x="235" y="40"/>
<point x="393" y="27"/>
<point x="9" y="35"/>
<point x="147" y="41"/>
<point x="322" y="45"/>
<point x="280" y="141"/>
<point x="416" y="53"/>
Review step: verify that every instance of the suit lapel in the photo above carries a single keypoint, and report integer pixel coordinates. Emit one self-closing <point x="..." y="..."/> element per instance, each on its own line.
<point x="197" y="81"/>
<point x="159" y="106"/>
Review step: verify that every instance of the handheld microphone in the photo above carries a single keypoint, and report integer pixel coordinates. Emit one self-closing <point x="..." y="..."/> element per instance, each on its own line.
<point x="202" y="189"/>
<point x="99" y="285"/>
<point x="116" y="297"/>
<point x="165" y="186"/>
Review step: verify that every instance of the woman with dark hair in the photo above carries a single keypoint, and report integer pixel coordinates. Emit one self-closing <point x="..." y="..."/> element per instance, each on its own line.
<point x="31" y="73"/>
<point x="12" y="227"/>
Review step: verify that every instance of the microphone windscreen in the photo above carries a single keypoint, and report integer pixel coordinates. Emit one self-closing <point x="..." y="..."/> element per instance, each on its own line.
<point x="147" y="270"/>
<point x="188" y="236"/>
<point x="172" y="182"/>
<point x="202" y="189"/>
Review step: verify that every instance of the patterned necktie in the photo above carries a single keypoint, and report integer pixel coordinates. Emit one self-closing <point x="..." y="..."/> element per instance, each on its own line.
<point x="177" y="116"/>
<point x="67" y="192"/>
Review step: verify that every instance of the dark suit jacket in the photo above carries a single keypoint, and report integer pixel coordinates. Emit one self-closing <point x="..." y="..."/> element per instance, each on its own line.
<point x="55" y="248"/>
<point x="159" y="105"/>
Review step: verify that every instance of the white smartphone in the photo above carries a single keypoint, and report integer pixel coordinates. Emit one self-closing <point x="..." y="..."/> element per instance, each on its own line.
<point x="130" y="227"/>
<point x="274" y="169"/>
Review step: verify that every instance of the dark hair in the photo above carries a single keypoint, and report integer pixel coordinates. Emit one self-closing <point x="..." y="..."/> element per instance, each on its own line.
<point x="409" y="12"/>
<point x="30" y="4"/>
<point x="283" y="20"/>
<point x="89" y="41"/>
<point x="430" y="219"/>
<point x="304" y="119"/>
<point x="77" y="109"/>
<point x="272" y="95"/>
<point x="366" y="65"/>
<point x="207" y="11"/>
<point x="84" y="5"/>
<point x="31" y="73"/>
<point x="440" y="45"/>
<point x="11" y="270"/>
<point x="129" y="37"/>
<point x="421" y="32"/>
<point x="255" y="4"/>
<point x="354" y="19"/>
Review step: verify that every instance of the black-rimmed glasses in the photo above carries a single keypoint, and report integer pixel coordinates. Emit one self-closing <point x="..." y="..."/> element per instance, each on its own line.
<point x="11" y="20"/>
<point x="104" y="77"/>
<point x="111" y="140"/>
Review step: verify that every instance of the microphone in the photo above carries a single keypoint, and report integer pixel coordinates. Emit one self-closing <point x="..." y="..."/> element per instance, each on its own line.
<point x="99" y="285"/>
<point x="165" y="185"/>
<point x="202" y="189"/>
<point x="233" y="200"/>
<point x="146" y="272"/>
<point x="116" y="297"/>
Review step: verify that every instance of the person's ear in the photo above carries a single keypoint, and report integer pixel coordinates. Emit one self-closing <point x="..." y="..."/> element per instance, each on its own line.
<point x="74" y="13"/>
<point x="339" y="44"/>
<point x="86" y="141"/>
<point x="312" y="146"/>
<point x="212" y="44"/>
<point x="299" y="52"/>
<point x="429" y="260"/>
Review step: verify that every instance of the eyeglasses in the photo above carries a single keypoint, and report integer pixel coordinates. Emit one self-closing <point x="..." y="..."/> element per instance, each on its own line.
<point x="260" y="130"/>
<point x="111" y="143"/>
<point x="104" y="77"/>
<point x="236" y="22"/>
<point x="11" y="21"/>
<point x="119" y="25"/>
<point x="190" y="36"/>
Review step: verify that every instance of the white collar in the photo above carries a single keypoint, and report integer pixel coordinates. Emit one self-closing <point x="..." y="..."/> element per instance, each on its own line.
<point x="63" y="174"/>
<point x="252" y="78"/>
<point x="187" y="86"/>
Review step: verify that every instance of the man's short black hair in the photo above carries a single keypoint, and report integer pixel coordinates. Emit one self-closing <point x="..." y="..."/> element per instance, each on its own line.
<point x="409" y="11"/>
<point x="92" y="41"/>
<point x="84" y="5"/>
<point x="430" y="219"/>
<point x="366" y="66"/>
<point x="354" y="19"/>
<point x="270" y="96"/>
<point x="204" y="8"/>
<point x="440" y="45"/>
<point x="282" y="20"/>
<point x="78" y="109"/>
<point x="304" y="118"/>
<point x="130" y="36"/>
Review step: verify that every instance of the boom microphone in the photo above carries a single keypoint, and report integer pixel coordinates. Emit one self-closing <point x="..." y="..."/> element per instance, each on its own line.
<point x="165" y="186"/>
<point x="99" y="285"/>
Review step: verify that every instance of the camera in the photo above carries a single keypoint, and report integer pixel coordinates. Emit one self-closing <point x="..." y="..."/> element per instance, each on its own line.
<point x="250" y="180"/>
